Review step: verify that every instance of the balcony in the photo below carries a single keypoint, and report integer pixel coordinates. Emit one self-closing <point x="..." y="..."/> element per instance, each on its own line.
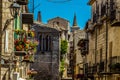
<point x="115" y="17"/>
<point x="19" y="48"/>
<point x="96" y="20"/>
<point x="90" y="29"/>
<point x="22" y="2"/>
<point x="83" y="46"/>
<point x="101" y="66"/>
<point x="114" y="65"/>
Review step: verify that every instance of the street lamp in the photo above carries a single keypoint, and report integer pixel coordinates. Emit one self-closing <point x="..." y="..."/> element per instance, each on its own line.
<point x="14" y="9"/>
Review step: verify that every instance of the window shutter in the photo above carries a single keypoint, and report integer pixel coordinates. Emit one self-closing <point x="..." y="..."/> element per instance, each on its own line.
<point x="6" y="40"/>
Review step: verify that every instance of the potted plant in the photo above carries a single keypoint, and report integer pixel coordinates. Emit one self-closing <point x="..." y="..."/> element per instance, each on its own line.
<point x="31" y="34"/>
<point x="19" y="45"/>
<point x="19" y="32"/>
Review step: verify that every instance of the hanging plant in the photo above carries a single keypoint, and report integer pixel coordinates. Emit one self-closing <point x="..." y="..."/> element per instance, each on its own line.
<point x="19" y="45"/>
<point x="31" y="34"/>
<point x="20" y="32"/>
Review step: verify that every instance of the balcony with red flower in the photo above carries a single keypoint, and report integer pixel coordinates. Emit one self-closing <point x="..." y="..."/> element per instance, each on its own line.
<point x="20" y="47"/>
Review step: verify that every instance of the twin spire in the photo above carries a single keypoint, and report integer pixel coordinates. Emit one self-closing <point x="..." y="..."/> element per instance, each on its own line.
<point x="74" y="21"/>
<point x="74" y="26"/>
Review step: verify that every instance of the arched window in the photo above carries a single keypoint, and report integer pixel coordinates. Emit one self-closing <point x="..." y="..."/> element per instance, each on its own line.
<point x="47" y="41"/>
<point x="50" y="42"/>
<point x="44" y="43"/>
<point x="40" y="43"/>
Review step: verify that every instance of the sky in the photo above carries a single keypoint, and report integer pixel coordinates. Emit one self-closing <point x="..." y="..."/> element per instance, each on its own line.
<point x="62" y="8"/>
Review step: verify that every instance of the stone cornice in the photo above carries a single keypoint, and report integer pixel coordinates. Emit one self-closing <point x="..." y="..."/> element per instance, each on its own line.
<point x="91" y="2"/>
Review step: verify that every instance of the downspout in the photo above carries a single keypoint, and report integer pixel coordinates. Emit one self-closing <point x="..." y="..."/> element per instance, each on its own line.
<point x="95" y="45"/>
<point x="0" y="35"/>
<point x="106" y="38"/>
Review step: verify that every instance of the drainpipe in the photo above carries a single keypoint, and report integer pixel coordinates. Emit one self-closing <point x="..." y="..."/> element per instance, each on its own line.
<point x="106" y="39"/>
<point x="95" y="45"/>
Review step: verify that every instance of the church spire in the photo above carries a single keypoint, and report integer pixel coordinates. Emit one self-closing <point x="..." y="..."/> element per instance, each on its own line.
<point x="75" y="26"/>
<point x="39" y="17"/>
<point x="74" y="21"/>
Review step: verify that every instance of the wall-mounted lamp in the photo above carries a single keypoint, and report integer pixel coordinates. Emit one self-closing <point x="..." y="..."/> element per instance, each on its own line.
<point x="14" y="9"/>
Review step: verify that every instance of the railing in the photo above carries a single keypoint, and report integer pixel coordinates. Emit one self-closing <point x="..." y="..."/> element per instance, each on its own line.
<point x="115" y="17"/>
<point x="114" y="65"/>
<point x="101" y="66"/>
<point x="83" y="46"/>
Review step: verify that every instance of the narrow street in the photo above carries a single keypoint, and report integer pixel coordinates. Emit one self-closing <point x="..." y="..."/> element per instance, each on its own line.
<point x="59" y="39"/>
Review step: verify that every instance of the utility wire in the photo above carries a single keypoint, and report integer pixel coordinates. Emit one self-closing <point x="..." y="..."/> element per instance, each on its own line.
<point x="58" y="1"/>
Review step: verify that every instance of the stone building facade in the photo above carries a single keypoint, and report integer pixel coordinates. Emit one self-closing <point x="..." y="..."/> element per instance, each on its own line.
<point x="11" y="65"/>
<point x="48" y="52"/>
<point x="75" y="57"/>
<point x="49" y="36"/>
<point x="102" y="29"/>
<point x="4" y="17"/>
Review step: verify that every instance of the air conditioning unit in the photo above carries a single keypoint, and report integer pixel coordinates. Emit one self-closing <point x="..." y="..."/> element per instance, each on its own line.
<point x="27" y="18"/>
<point x="15" y="76"/>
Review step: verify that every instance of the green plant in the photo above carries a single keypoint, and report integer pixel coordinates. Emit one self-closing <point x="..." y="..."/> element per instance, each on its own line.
<point x="115" y="66"/>
<point x="20" y="32"/>
<point x="62" y="63"/>
<point x="64" y="46"/>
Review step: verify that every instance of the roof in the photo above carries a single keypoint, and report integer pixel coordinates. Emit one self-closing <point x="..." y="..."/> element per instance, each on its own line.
<point x="58" y="18"/>
<point x="39" y="25"/>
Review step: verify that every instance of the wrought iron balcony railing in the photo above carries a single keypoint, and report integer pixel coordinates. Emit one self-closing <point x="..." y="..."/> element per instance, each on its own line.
<point x="96" y="20"/>
<point x="101" y="66"/>
<point x="83" y="46"/>
<point x="114" y="65"/>
<point x="115" y="17"/>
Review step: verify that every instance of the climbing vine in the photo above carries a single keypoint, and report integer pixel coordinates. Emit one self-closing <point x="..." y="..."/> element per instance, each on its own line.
<point x="64" y="46"/>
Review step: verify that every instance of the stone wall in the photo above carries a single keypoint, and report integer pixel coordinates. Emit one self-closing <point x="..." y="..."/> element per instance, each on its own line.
<point x="4" y="16"/>
<point x="62" y="23"/>
<point x="47" y="62"/>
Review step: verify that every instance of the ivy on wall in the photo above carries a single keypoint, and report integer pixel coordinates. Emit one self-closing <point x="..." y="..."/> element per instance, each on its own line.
<point x="64" y="46"/>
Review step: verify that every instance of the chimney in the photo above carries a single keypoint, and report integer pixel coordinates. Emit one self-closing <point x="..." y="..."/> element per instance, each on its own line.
<point x="39" y="17"/>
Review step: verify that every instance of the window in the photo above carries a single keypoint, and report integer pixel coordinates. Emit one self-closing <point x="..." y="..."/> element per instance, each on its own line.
<point x="101" y="55"/>
<point x="110" y="49"/>
<point x="44" y="43"/>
